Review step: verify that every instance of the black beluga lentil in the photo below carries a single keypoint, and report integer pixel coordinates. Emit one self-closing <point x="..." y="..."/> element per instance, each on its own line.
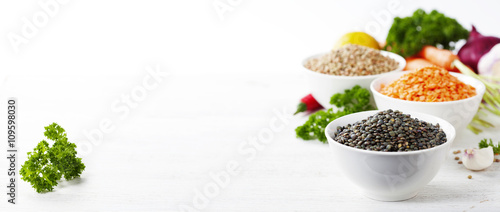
<point x="390" y="131"/>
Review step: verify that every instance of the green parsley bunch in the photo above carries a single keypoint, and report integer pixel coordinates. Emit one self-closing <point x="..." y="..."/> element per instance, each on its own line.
<point x="46" y="165"/>
<point x="408" y="35"/>
<point x="353" y="100"/>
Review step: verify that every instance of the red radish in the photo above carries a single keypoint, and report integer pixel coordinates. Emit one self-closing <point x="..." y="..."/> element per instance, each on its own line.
<point x="307" y="103"/>
<point x="477" y="45"/>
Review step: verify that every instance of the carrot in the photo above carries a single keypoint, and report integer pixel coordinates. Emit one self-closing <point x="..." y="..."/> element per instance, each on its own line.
<point x="439" y="57"/>
<point x="414" y="63"/>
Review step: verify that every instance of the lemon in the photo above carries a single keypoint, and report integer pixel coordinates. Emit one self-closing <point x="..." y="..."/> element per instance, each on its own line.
<point x="359" y="38"/>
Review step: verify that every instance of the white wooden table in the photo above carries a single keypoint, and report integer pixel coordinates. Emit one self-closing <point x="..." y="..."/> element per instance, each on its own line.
<point x="230" y="82"/>
<point x="164" y="155"/>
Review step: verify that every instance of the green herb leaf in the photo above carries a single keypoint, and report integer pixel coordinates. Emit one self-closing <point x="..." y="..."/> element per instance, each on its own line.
<point x="355" y="99"/>
<point x="484" y="144"/>
<point x="352" y="100"/>
<point x="46" y="165"/>
<point x="409" y="35"/>
<point x="38" y="171"/>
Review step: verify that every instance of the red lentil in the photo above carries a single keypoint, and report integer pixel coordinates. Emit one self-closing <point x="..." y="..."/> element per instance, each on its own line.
<point x="428" y="84"/>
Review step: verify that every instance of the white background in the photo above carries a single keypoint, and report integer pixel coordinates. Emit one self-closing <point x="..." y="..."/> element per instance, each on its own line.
<point x="228" y="77"/>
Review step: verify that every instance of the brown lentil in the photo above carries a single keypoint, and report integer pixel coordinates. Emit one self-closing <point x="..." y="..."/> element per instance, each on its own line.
<point x="457" y="158"/>
<point x="470" y="176"/>
<point x="460" y="162"/>
<point x="390" y="131"/>
<point x="352" y="60"/>
<point x="456" y="152"/>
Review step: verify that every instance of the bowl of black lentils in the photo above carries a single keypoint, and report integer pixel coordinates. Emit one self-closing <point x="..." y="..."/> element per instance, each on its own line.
<point x="389" y="154"/>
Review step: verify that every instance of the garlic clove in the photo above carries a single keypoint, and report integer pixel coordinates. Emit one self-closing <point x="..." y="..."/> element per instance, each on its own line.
<point x="489" y="64"/>
<point x="478" y="159"/>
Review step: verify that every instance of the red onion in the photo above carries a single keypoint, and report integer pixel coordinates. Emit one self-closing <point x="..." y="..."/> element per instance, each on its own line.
<point x="477" y="45"/>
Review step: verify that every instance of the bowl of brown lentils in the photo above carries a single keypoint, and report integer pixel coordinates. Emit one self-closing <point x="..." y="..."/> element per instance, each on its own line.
<point x="388" y="154"/>
<point x="333" y="72"/>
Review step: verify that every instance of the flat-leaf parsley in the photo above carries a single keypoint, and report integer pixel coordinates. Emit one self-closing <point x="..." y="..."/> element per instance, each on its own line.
<point x="484" y="144"/>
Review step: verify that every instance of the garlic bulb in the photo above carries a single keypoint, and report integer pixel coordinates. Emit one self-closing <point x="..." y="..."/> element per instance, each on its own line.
<point x="478" y="159"/>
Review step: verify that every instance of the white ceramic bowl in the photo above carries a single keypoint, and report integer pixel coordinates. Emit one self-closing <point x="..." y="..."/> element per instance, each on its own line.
<point x="389" y="176"/>
<point x="459" y="113"/>
<point x="324" y="86"/>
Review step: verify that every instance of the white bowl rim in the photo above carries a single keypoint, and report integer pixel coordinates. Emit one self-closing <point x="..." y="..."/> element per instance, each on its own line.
<point x="398" y="58"/>
<point x="441" y="121"/>
<point x="480" y="90"/>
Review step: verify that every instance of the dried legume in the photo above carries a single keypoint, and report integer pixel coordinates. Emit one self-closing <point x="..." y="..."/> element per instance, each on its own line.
<point x="390" y="131"/>
<point x="429" y="84"/>
<point x="352" y="60"/>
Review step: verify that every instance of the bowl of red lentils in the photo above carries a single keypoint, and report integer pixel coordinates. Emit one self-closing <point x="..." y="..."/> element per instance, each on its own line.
<point x="451" y="96"/>
<point x="333" y="72"/>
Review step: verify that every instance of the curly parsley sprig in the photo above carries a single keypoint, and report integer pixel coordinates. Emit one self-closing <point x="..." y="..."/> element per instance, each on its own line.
<point x="46" y="165"/>
<point x="352" y="100"/>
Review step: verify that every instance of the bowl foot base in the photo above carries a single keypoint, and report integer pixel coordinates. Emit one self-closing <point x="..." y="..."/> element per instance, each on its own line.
<point x="390" y="198"/>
